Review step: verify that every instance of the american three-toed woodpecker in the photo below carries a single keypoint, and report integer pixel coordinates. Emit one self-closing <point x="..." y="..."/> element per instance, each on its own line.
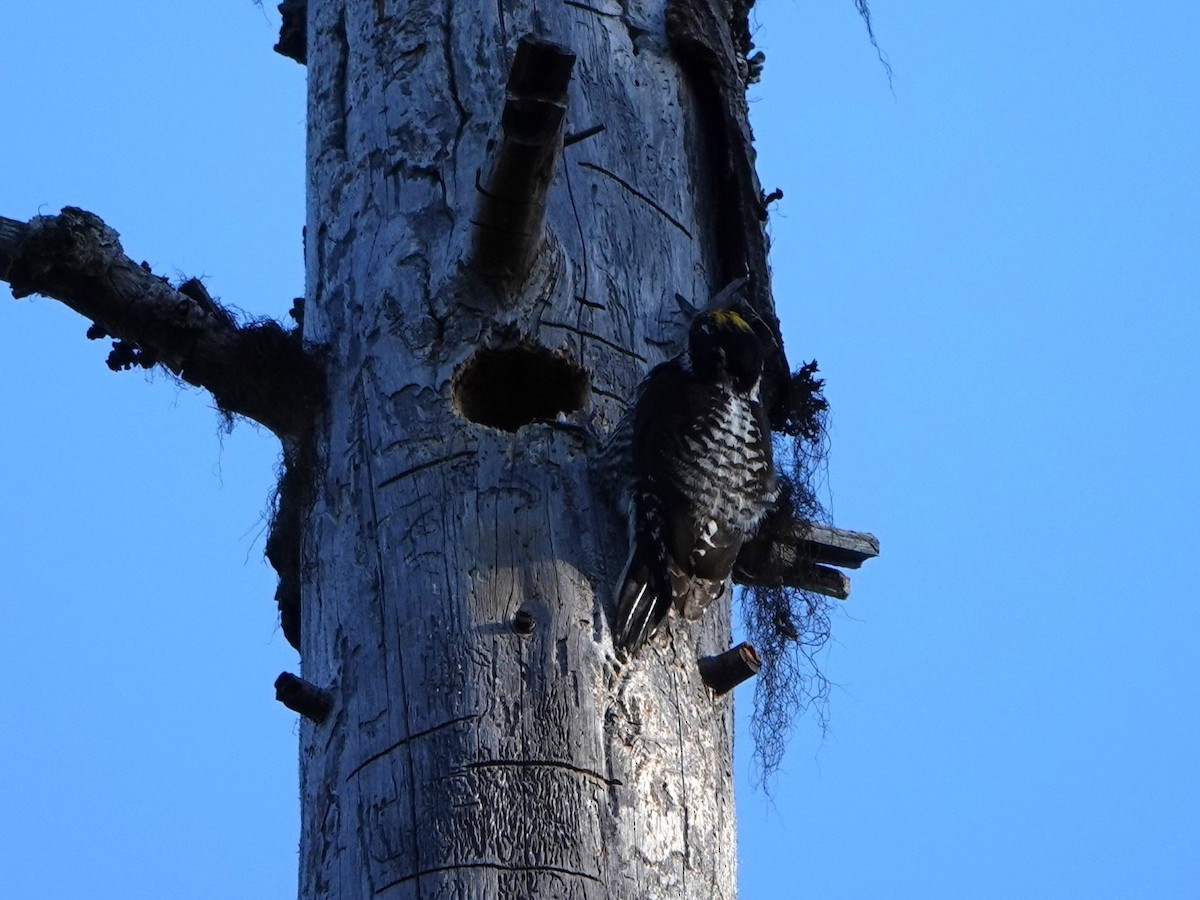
<point x="696" y="454"/>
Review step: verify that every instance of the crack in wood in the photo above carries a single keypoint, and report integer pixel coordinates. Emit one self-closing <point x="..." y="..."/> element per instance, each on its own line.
<point x="503" y="867"/>
<point x="683" y="768"/>
<point x="381" y="597"/>
<point x="339" y="87"/>
<point x="643" y="197"/>
<point x="595" y="337"/>
<point x="623" y="399"/>
<point x="403" y="742"/>
<point x="591" y="9"/>
<point x="583" y="244"/>
<point x="420" y="467"/>
<point x="449" y="55"/>
<point x="540" y="763"/>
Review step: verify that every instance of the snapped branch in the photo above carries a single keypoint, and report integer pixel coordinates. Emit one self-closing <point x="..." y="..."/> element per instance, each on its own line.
<point x="727" y="670"/>
<point x="798" y="555"/>
<point x="257" y="370"/>
<point x="293" y="30"/>
<point x="303" y="697"/>
<point x="511" y="218"/>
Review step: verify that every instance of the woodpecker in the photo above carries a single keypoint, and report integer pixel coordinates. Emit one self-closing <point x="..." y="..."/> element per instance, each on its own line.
<point x="698" y="476"/>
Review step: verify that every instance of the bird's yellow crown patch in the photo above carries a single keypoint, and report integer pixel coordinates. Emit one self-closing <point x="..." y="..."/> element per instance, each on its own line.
<point x="727" y="318"/>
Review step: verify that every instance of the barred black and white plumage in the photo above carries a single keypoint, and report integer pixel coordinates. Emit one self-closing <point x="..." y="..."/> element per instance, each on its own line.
<point x="698" y="475"/>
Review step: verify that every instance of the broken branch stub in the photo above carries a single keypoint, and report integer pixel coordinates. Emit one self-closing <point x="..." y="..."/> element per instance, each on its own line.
<point x="293" y="30"/>
<point x="303" y="697"/>
<point x="793" y="556"/>
<point x="511" y="218"/>
<point x="11" y="234"/>
<point x="727" y="670"/>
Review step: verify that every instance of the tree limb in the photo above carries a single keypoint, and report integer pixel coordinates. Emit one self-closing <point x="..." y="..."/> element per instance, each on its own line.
<point x="258" y="370"/>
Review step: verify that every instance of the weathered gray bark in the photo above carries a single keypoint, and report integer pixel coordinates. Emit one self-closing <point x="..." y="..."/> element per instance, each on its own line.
<point x="463" y="759"/>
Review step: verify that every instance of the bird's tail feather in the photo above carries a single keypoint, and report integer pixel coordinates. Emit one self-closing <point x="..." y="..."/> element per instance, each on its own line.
<point x="645" y="593"/>
<point x="642" y="601"/>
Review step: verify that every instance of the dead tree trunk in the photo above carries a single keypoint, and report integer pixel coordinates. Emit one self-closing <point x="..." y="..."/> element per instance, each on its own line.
<point x="504" y="233"/>
<point x="458" y="577"/>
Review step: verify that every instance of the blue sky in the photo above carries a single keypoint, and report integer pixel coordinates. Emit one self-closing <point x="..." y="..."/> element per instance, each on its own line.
<point x="998" y="268"/>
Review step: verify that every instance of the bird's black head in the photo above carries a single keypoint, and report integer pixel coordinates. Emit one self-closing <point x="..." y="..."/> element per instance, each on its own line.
<point x="722" y="347"/>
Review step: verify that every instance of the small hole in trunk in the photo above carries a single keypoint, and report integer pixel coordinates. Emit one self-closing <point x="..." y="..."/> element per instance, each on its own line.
<point x="510" y="387"/>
